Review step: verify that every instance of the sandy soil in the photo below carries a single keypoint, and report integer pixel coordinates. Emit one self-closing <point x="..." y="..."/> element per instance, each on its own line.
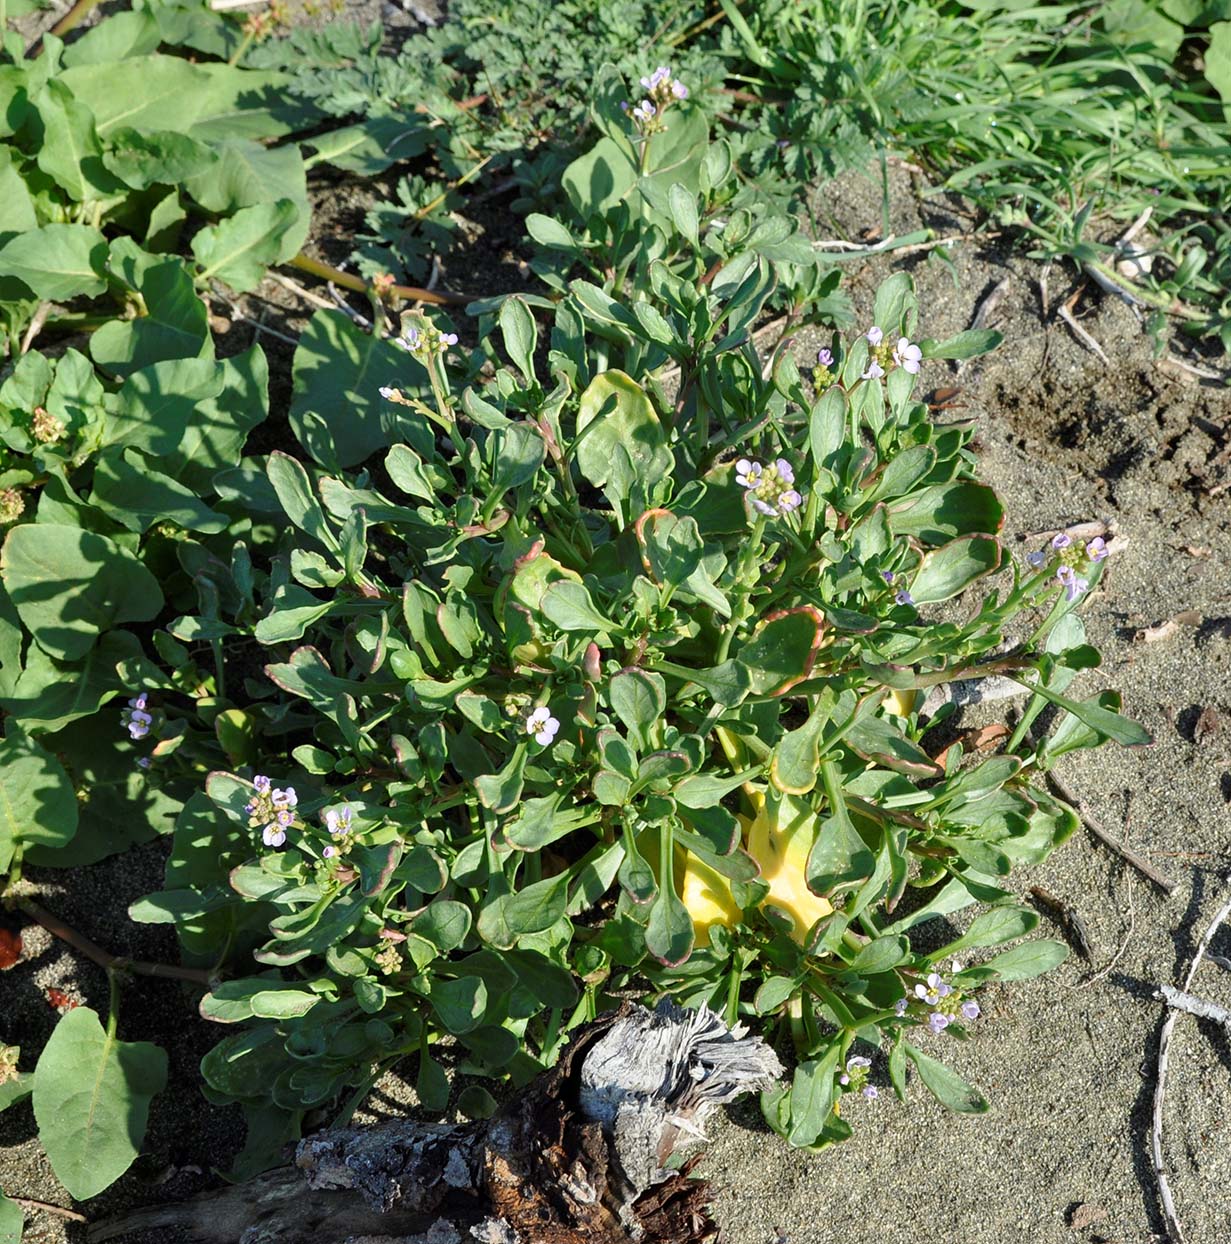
<point x="1069" y="1069"/>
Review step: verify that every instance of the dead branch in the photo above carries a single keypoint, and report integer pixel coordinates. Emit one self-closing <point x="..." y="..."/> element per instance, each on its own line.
<point x="1175" y="1232"/>
<point x="576" y="1158"/>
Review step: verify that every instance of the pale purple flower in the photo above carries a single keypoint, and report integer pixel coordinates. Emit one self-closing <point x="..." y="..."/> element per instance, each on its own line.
<point x="970" y="1009"/>
<point x="284" y="798"/>
<point x="875" y="336"/>
<point x="874" y="371"/>
<point x="387" y="392"/>
<point x="857" y="1060"/>
<point x="644" y="111"/>
<point x="285" y="818"/>
<point x="261" y="784"/>
<point x="679" y="90"/>
<point x="543" y="726"/>
<point x="844" y="1079"/>
<point x="790" y="500"/>
<point x="825" y="358"/>
<point x="329" y="852"/>
<point x="449" y="339"/>
<point x="1072" y="582"/>
<point x="871" y="1092"/>
<point x="410" y="339"/>
<point x="908" y="356"/>
<point x="938" y="1021"/>
<point x="338" y="820"/>
<point x="1061" y="540"/>
<point x="273" y="835"/>
<point x="1037" y="558"/>
<point x="786" y="472"/>
<point x="763" y="507"/>
<point x="143" y="762"/>
<point x="136" y="718"/>
<point x="747" y="473"/>
<point x="887" y="575"/>
<point x="899" y="1007"/>
<point x="1097" y="549"/>
<point x="903" y="597"/>
<point x="934" y="990"/>
<point x="661" y="74"/>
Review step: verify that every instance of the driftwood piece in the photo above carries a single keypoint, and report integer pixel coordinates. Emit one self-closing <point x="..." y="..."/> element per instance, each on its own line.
<point x="579" y="1157"/>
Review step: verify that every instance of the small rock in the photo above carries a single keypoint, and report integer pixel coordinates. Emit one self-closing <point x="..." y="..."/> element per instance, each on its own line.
<point x="1084" y="1215"/>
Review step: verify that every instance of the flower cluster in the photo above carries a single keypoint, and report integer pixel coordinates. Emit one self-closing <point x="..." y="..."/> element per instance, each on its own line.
<point x="855" y="1077"/>
<point x="902" y="596"/>
<point x="947" y="1004"/>
<point x="1073" y="561"/>
<point x="45" y="427"/>
<point x="425" y="340"/>
<point x="542" y="726"/>
<point x="338" y="823"/>
<point x="136" y="717"/>
<point x="882" y="353"/>
<point x="823" y="375"/>
<point x="661" y="91"/>
<point x="272" y="811"/>
<point x="388" y="957"/>
<point x="12" y="505"/>
<point x="771" y="489"/>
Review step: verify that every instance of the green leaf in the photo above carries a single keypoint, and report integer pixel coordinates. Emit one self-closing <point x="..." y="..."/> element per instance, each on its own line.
<point x="338" y="373"/>
<point x="37" y="801"/>
<point x="520" y="334"/>
<point x="669" y="935"/>
<point x="881" y="954"/>
<point x="58" y="262"/>
<point x="1027" y="961"/>
<point x="239" y="249"/>
<point x="70" y="153"/>
<point x="621" y="445"/>
<point x="141" y="160"/>
<point x="639" y="700"/>
<point x="1218" y="60"/>
<point x="505" y="918"/>
<point x="568" y="605"/>
<point x="965" y="345"/>
<point x="951" y="569"/>
<point x="942" y="511"/>
<point x="812" y="1096"/>
<point x="70" y="585"/>
<point x="992" y="928"/>
<point x="137" y="496"/>
<point x="1104" y="722"/>
<point x="175" y="326"/>
<point x="460" y="1003"/>
<point x="156" y="405"/>
<point x="12" y="1221"/>
<point x="373" y="144"/>
<point x="14" y="1090"/>
<point x="947" y="1086"/>
<point x="797" y="756"/>
<point x="782" y="652"/>
<point x="92" y="1097"/>
<point x="299" y="502"/>
<point x="16" y="207"/>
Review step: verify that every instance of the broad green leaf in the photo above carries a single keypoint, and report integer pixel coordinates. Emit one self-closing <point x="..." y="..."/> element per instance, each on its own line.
<point x="70" y="585"/>
<point x="16" y="207"/>
<point x="520" y="334"/>
<point x="92" y="1097"/>
<point x="812" y="1095"/>
<point x="991" y="928"/>
<point x="122" y="35"/>
<point x="965" y="345"/>
<point x="242" y="247"/>
<point x="137" y="496"/>
<point x="338" y="373"/>
<point x="37" y="801"/>
<point x="568" y="606"/>
<point x="175" y="325"/>
<point x="141" y="160"/>
<point x="70" y="153"/>
<point x="639" y="700"/>
<point x="947" y="1086"/>
<point x="12" y="1221"/>
<point x="460" y="1003"/>
<point x="951" y="569"/>
<point x="57" y="262"/>
<point x="299" y="501"/>
<point x="782" y="652"/>
<point x="1027" y="961"/>
<point x="143" y="92"/>
<point x="669" y="934"/>
<point x="157" y="405"/>
<point x="621" y="445"/>
<point x="941" y="511"/>
<point x="1218" y="60"/>
<point x="370" y="146"/>
<point x="504" y="919"/>
<point x="881" y="954"/>
<point x="796" y="759"/>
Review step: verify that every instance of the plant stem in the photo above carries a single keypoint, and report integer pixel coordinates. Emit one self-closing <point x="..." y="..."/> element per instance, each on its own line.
<point x="104" y="958"/>
<point x="113" y="1010"/>
<point x="347" y="280"/>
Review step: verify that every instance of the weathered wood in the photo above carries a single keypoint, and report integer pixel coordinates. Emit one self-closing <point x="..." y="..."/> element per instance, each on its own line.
<point x="578" y="1158"/>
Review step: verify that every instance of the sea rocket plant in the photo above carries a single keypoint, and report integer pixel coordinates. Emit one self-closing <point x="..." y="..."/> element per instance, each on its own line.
<point x="136" y="718"/>
<point x="273" y="811"/>
<point x="771" y="490"/>
<point x="662" y="90"/>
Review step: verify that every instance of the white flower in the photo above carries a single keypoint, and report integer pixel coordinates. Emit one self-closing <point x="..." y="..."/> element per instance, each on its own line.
<point x="908" y="356"/>
<point x="543" y="726"/>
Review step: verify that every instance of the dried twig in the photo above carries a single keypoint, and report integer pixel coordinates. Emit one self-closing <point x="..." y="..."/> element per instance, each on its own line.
<point x="300" y="291"/>
<point x="36" y="326"/>
<point x="47" y="1208"/>
<point x="1092" y="823"/>
<point x="104" y="958"/>
<point x="1178" y="1000"/>
<point x="1175" y="1232"/>
<point x="1080" y="333"/>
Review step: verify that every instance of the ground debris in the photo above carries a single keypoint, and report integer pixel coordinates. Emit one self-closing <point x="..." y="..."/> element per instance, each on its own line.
<point x="1084" y="1214"/>
<point x="1170" y="627"/>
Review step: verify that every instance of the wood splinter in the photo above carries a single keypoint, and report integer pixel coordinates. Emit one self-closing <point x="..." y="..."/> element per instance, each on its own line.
<point x="579" y="1157"/>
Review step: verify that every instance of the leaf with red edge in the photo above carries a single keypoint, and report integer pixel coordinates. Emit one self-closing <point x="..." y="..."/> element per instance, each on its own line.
<point x="10" y="948"/>
<point x="781" y="654"/>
